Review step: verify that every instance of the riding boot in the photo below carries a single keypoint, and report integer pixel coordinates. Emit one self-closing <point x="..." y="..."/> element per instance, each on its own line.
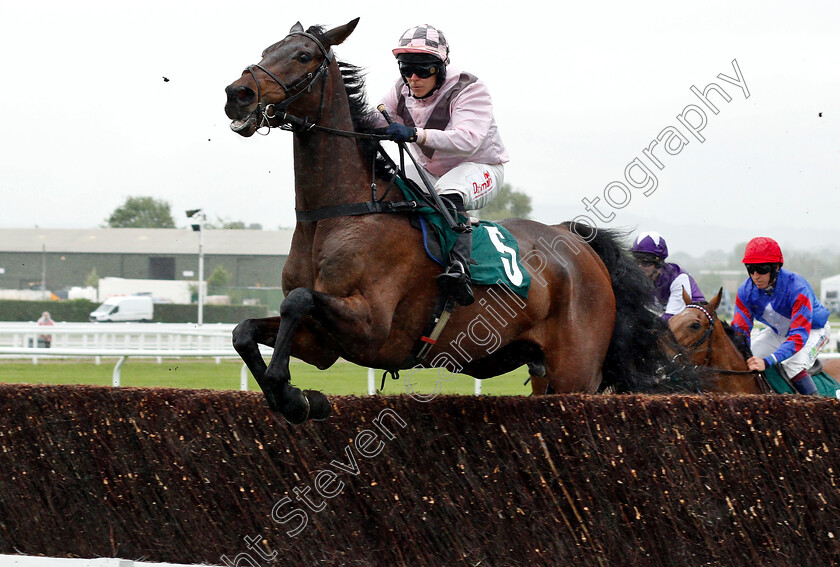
<point x="456" y="280"/>
<point x="804" y="384"/>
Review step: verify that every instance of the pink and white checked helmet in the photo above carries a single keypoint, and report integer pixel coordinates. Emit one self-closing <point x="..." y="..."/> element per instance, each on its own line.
<point x="424" y="39"/>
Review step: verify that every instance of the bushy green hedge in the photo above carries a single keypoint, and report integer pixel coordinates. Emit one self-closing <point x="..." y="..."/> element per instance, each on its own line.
<point x="182" y="313"/>
<point x="72" y="310"/>
<point x="78" y="310"/>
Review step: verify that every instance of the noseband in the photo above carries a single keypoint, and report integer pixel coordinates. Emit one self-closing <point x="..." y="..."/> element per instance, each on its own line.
<point x="293" y="92"/>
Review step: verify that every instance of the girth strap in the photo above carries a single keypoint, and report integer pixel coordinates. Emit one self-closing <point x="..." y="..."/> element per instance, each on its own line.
<point x="355" y="209"/>
<point x="443" y="310"/>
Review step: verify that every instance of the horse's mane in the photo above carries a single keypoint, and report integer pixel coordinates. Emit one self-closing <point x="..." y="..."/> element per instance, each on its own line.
<point x="360" y="111"/>
<point x="738" y="339"/>
<point x="635" y="357"/>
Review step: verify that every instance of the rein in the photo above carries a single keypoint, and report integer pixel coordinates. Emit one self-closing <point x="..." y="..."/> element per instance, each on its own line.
<point x="277" y="112"/>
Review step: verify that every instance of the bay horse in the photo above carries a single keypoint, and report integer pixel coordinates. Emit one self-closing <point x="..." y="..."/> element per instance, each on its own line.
<point x="709" y="342"/>
<point x="359" y="286"/>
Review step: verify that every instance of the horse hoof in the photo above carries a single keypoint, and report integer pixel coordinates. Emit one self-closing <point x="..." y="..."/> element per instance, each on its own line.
<point x="320" y="407"/>
<point x="296" y="410"/>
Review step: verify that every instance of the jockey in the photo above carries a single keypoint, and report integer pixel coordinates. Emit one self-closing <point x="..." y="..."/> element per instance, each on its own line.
<point x="447" y="116"/>
<point x="797" y="324"/>
<point x="669" y="280"/>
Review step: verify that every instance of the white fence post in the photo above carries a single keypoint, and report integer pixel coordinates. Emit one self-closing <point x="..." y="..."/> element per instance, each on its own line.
<point x="371" y="382"/>
<point x="115" y="379"/>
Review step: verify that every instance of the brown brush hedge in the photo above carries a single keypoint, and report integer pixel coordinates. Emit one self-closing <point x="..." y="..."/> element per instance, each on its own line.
<point x="194" y="476"/>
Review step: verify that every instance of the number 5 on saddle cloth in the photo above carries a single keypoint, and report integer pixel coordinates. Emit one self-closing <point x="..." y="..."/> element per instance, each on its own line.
<point x="494" y="249"/>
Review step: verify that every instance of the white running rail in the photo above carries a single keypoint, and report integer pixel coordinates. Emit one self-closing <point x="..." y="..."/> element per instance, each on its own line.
<point x="120" y="341"/>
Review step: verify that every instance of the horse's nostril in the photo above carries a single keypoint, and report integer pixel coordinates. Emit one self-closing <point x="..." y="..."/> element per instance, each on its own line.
<point x="242" y="96"/>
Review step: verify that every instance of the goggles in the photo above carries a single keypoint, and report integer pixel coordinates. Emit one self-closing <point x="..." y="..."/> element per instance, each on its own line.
<point x="650" y="263"/>
<point x="760" y="269"/>
<point x="422" y="70"/>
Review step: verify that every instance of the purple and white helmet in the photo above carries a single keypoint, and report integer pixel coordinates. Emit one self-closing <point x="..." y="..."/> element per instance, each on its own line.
<point x="424" y="39"/>
<point x="650" y="243"/>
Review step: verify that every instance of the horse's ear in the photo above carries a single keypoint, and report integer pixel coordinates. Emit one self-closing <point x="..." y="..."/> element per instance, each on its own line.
<point x="713" y="304"/>
<point x="686" y="297"/>
<point x="339" y="34"/>
<point x="296" y="28"/>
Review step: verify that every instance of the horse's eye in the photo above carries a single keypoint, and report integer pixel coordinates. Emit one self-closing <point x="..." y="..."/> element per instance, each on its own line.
<point x="695" y="325"/>
<point x="304" y="58"/>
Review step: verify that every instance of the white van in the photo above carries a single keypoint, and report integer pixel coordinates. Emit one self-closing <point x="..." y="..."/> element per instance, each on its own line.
<point x="125" y="308"/>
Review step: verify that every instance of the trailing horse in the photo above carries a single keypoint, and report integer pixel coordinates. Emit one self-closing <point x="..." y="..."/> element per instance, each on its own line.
<point x="360" y="286"/>
<point x="720" y="353"/>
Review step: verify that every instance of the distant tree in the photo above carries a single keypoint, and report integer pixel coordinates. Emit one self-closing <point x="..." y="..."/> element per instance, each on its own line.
<point x="239" y="225"/>
<point x="92" y="279"/>
<point x="219" y="278"/>
<point x="737" y="254"/>
<point x="232" y="225"/>
<point x="142" y="212"/>
<point x="507" y="204"/>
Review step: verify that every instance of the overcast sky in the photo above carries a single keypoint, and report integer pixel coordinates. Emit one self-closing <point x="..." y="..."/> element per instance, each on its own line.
<point x="580" y="91"/>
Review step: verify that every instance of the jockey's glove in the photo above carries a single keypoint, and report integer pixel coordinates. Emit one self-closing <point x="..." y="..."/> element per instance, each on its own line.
<point x="401" y="133"/>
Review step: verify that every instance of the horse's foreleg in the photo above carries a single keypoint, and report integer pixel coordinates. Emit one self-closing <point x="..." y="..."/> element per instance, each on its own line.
<point x="348" y="317"/>
<point x="295" y="406"/>
<point x="247" y="336"/>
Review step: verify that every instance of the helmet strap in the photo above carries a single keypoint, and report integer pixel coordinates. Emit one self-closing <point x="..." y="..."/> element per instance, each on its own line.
<point x="774" y="274"/>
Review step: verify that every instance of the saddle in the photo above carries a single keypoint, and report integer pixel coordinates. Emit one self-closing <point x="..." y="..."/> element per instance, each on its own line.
<point x="816" y="368"/>
<point x="495" y="252"/>
<point x="827" y="386"/>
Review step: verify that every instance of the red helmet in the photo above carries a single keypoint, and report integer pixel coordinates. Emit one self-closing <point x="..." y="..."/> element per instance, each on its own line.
<point x="763" y="250"/>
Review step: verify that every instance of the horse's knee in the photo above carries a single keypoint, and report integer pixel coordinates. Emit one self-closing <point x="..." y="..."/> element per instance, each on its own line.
<point x="299" y="301"/>
<point x="243" y="335"/>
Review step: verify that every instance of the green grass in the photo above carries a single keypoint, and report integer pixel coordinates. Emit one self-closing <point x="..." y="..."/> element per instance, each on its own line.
<point x="343" y="378"/>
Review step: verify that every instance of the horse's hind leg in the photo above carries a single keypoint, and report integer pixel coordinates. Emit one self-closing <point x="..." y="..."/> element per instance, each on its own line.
<point x="574" y="368"/>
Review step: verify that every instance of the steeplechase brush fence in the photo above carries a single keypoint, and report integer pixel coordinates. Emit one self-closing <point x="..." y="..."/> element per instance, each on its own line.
<point x="191" y="476"/>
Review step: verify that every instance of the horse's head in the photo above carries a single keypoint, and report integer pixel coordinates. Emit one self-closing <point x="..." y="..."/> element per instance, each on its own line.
<point x="291" y="78"/>
<point x="693" y="326"/>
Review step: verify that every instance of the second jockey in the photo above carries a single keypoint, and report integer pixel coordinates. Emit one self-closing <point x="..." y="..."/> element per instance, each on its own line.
<point x="650" y="250"/>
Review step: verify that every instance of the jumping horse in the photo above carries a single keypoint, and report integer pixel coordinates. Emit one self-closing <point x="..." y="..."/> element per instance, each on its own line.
<point x="358" y="284"/>
<point x="707" y="341"/>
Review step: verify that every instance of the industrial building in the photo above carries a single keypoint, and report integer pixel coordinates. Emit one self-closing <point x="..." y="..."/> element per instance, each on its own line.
<point x="64" y="258"/>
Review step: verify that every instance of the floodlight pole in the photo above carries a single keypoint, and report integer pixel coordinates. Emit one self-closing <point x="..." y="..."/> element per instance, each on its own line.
<point x="43" y="272"/>
<point x="201" y="290"/>
<point x="200" y="217"/>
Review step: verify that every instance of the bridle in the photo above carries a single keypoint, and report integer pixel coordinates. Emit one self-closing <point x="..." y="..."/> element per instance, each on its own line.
<point x="277" y="111"/>
<point x="706" y="337"/>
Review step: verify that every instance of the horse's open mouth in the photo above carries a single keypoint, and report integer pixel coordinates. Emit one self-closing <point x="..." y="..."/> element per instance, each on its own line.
<point x="245" y="127"/>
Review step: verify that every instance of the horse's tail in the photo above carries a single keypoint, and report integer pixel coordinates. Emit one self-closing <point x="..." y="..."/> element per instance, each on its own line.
<point x="635" y="356"/>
